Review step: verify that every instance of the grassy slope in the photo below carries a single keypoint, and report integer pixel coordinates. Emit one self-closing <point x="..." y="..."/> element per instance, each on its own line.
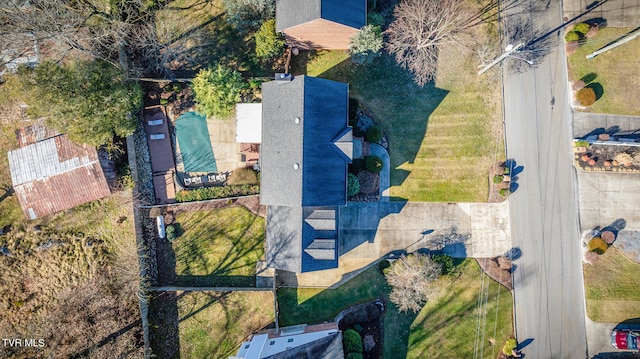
<point x="226" y="241"/>
<point x="10" y="211"/>
<point x="616" y="70"/>
<point x="443" y="137"/>
<point x="446" y="326"/>
<point x="213" y="325"/>
<point x="405" y="334"/>
<point x="611" y="287"/>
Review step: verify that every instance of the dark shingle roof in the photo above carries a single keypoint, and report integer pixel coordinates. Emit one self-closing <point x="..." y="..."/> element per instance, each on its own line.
<point x="329" y="347"/>
<point x="302" y="239"/>
<point x="301" y="164"/>
<point x="291" y="13"/>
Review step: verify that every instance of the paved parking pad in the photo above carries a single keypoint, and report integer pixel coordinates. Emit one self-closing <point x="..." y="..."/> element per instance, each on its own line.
<point x="606" y="197"/>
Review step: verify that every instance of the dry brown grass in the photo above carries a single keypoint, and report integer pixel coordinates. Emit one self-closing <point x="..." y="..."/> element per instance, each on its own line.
<point x="72" y="280"/>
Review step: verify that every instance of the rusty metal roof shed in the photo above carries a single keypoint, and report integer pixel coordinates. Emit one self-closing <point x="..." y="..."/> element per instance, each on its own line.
<point x="56" y="174"/>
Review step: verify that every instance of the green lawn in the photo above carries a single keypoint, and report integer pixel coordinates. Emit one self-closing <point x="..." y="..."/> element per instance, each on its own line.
<point x="616" y="71"/>
<point x="443" y="137"/>
<point x="446" y="326"/>
<point x="443" y="329"/>
<point x="214" y="324"/>
<point x="221" y="244"/>
<point x="611" y="287"/>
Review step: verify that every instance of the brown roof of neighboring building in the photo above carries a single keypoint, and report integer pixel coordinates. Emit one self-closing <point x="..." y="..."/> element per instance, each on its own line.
<point x="56" y="174"/>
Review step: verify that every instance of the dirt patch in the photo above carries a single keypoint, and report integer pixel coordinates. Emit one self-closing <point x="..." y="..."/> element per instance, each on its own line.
<point x="498" y="269"/>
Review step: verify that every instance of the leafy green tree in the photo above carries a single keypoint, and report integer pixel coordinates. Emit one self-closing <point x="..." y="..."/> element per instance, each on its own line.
<point x="249" y="14"/>
<point x="217" y="89"/>
<point x="269" y="43"/>
<point x="87" y="100"/>
<point x="366" y="44"/>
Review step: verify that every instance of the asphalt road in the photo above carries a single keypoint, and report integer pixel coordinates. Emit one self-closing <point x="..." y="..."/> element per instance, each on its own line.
<point x="549" y="291"/>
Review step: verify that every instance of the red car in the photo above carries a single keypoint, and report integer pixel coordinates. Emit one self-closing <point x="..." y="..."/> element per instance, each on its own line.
<point x="625" y="339"/>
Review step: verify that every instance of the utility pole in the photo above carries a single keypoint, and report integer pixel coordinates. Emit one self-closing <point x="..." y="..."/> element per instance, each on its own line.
<point x="630" y="36"/>
<point x="508" y="52"/>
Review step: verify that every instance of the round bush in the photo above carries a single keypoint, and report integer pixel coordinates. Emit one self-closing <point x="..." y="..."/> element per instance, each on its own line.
<point x="597" y="245"/>
<point x="170" y="232"/>
<point x="383" y="265"/>
<point x="497" y="179"/>
<point x="374" y="134"/>
<point x="369" y="182"/>
<point x="358" y="328"/>
<point x="375" y="19"/>
<point x="357" y="166"/>
<point x="582" y="28"/>
<point x="586" y="96"/>
<point x="572" y="36"/>
<point x="373" y="164"/>
<point x="504" y="192"/>
<point x="509" y="346"/>
<point x="445" y="261"/>
<point x="352" y="341"/>
<point x="353" y="185"/>
<point x="354" y="356"/>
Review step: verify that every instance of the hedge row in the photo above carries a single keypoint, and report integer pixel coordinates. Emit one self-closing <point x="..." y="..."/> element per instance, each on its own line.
<point x="200" y="194"/>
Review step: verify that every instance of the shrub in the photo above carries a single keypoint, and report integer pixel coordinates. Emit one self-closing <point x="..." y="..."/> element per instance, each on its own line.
<point x="354" y="105"/>
<point x="216" y="90"/>
<point x="201" y="194"/>
<point x="624" y="158"/>
<point x="269" y="43"/>
<point x="164" y="101"/>
<point x="509" y="346"/>
<point x="352" y="341"/>
<point x="572" y="36"/>
<point x="586" y="96"/>
<point x="374" y="134"/>
<point x="243" y="176"/>
<point x="581" y="143"/>
<point x="176" y="87"/>
<point x="366" y="44"/>
<point x="498" y="178"/>
<point x="373" y="164"/>
<point x="383" y="265"/>
<point x="358" y="328"/>
<point x="582" y="28"/>
<point x="375" y="19"/>
<point x="445" y="261"/>
<point x="170" y="232"/>
<point x="354" y="356"/>
<point x="504" y="192"/>
<point x="353" y="185"/>
<point x="369" y="182"/>
<point x="597" y="245"/>
<point x="357" y="166"/>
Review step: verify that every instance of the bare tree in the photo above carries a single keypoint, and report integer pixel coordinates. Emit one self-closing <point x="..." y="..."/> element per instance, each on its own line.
<point x="123" y="33"/>
<point x="422" y="26"/>
<point x="410" y="278"/>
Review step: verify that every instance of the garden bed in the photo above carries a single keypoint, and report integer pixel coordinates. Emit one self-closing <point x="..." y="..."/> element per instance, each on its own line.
<point x="608" y="158"/>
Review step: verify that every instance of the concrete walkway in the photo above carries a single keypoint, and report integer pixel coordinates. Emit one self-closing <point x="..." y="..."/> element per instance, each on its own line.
<point x="385" y="175"/>
<point x="369" y="231"/>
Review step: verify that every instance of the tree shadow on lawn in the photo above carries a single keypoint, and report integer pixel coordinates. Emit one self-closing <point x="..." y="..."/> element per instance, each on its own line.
<point x="400" y="106"/>
<point x="200" y="270"/>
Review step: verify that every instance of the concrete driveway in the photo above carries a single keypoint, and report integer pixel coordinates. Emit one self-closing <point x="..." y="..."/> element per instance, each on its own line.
<point x="605" y="197"/>
<point x="618" y="13"/>
<point x="370" y="230"/>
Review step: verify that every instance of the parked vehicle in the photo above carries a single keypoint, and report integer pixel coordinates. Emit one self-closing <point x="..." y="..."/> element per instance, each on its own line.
<point x="625" y="339"/>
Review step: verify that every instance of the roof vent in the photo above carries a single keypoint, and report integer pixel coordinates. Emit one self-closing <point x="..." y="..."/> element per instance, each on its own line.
<point x="296" y="120"/>
<point x="283" y="78"/>
<point x="296" y="166"/>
